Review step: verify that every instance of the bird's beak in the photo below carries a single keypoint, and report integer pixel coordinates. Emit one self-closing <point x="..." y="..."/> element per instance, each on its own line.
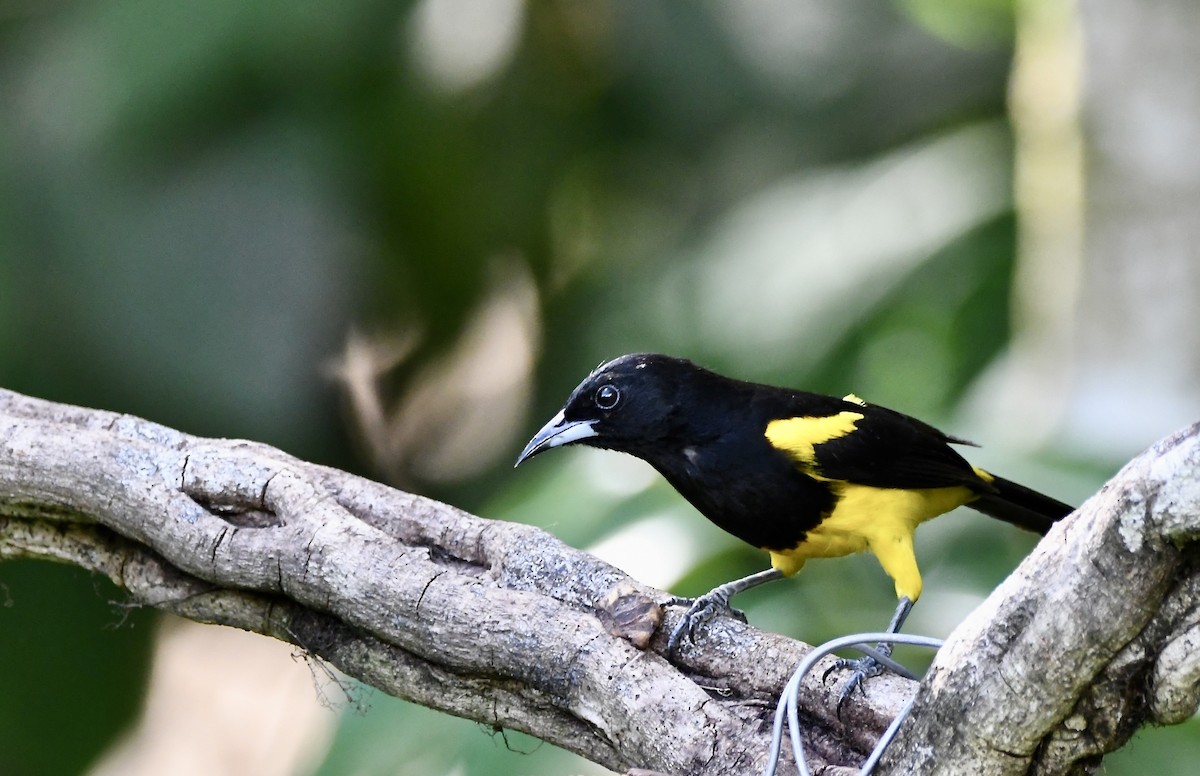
<point x="557" y="432"/>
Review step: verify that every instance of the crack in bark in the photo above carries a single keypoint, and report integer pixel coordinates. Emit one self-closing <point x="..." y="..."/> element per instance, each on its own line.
<point x="421" y="597"/>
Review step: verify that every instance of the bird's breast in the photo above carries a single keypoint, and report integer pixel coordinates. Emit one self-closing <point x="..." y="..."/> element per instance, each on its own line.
<point x="754" y="494"/>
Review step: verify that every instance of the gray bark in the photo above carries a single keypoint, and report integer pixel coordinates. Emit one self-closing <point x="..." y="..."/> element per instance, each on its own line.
<point x="1092" y="637"/>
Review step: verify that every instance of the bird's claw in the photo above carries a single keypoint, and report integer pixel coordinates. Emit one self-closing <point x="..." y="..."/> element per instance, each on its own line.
<point x="700" y="610"/>
<point x="863" y="668"/>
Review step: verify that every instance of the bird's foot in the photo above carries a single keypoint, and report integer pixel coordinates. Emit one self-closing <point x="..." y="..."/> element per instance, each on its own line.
<point x="714" y="602"/>
<point x="863" y="668"/>
<point x="700" y="610"/>
<point x="868" y="666"/>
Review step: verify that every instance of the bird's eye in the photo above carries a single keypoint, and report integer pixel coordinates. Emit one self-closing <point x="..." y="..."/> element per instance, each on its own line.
<point x="607" y="397"/>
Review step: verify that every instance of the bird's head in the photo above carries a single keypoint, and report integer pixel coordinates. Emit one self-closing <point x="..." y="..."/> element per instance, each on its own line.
<point x="628" y="404"/>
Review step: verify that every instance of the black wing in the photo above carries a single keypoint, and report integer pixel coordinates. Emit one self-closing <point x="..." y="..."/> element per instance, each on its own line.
<point x="849" y="441"/>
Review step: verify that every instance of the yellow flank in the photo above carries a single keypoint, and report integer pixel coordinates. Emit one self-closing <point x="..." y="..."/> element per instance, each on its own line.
<point x="798" y="436"/>
<point x="852" y="398"/>
<point x="985" y="476"/>
<point x="881" y="520"/>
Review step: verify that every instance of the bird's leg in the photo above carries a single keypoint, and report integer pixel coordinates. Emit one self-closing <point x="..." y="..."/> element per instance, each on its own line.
<point x="715" y="601"/>
<point x="865" y="667"/>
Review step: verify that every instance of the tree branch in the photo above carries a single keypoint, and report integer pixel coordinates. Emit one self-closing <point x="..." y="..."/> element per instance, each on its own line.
<point x="1093" y="636"/>
<point x="497" y="622"/>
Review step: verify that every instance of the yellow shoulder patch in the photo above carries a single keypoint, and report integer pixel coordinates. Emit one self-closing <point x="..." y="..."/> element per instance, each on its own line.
<point x="852" y="398"/>
<point x="799" y="436"/>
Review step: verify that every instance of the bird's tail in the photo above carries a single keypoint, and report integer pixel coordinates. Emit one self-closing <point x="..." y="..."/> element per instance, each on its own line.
<point x="1020" y="505"/>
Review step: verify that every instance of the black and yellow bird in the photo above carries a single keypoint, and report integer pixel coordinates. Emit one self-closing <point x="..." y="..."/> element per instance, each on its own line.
<point x="797" y="474"/>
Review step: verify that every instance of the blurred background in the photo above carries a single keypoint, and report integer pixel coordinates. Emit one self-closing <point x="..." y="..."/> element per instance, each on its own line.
<point x="391" y="237"/>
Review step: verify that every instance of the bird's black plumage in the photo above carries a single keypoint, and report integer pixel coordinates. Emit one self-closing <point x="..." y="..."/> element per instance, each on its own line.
<point x="798" y="474"/>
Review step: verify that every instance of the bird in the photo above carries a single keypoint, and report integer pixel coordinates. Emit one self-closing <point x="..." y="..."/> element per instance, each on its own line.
<point x="800" y="475"/>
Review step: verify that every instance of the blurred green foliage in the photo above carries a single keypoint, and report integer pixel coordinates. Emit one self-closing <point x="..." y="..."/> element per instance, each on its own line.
<point x="74" y="667"/>
<point x="199" y="200"/>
